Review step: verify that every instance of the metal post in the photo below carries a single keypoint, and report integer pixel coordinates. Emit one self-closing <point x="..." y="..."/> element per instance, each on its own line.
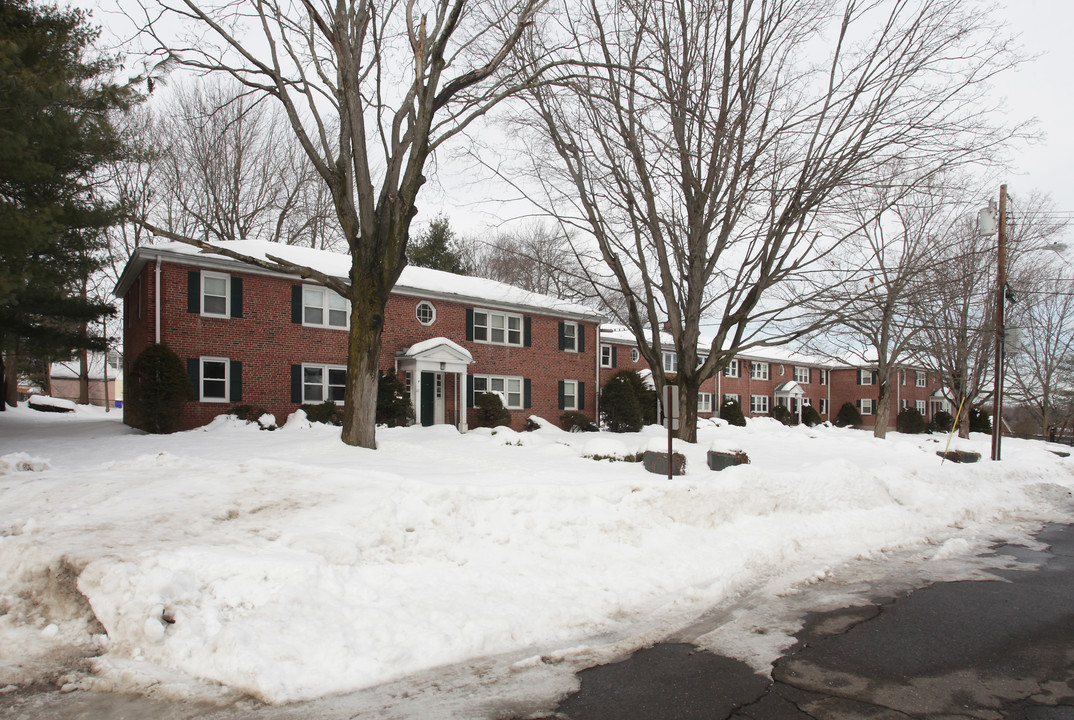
<point x="1001" y="292"/>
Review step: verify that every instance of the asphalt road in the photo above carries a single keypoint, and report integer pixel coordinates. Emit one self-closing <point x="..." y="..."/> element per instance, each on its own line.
<point x="972" y="649"/>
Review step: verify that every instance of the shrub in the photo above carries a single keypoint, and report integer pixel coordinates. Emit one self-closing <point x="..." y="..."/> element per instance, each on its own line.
<point x="577" y="422"/>
<point x="980" y="421"/>
<point x="394" y="408"/>
<point x="783" y="414"/>
<point x="848" y="416"/>
<point x="942" y="421"/>
<point x="490" y="410"/>
<point x="810" y="416"/>
<point x="157" y="386"/>
<point x="731" y="411"/>
<point x="620" y="409"/>
<point x="910" y="421"/>
<point x="327" y="413"/>
<point x="249" y="413"/>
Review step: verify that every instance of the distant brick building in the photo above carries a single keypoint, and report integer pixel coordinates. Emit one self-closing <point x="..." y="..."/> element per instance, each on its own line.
<point x="250" y="336"/>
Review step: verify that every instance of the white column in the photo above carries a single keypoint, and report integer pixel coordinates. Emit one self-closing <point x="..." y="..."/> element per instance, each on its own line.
<point x="460" y="406"/>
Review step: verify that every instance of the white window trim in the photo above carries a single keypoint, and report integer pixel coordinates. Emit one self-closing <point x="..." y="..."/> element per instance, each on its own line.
<point x="324" y="307"/>
<point x="767" y="405"/>
<point x="823" y="406"/>
<point x="201" y="380"/>
<point x="505" y="396"/>
<point x="670" y="361"/>
<point x="506" y="328"/>
<point x="573" y="385"/>
<point x="732" y="396"/>
<point x="573" y="340"/>
<point x="805" y="372"/>
<point x="431" y="307"/>
<point x="606" y="356"/>
<point x="760" y="370"/>
<point x="921" y="379"/>
<point x="731" y="369"/>
<point x="704" y="402"/>
<point x="866" y="406"/>
<point x="227" y="293"/>
<point x="634" y="355"/>
<point x="823" y="376"/>
<point x="920" y="406"/>
<point x="324" y="368"/>
<point x="865" y="377"/>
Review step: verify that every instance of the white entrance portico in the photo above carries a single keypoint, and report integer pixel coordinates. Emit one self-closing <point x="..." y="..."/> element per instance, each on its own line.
<point x="437" y="370"/>
<point x="789" y="394"/>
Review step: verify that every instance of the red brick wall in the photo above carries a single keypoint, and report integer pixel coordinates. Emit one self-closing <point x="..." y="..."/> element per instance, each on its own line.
<point x="267" y="343"/>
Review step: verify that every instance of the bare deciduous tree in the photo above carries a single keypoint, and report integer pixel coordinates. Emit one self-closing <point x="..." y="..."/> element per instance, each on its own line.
<point x="705" y="149"/>
<point x="370" y="90"/>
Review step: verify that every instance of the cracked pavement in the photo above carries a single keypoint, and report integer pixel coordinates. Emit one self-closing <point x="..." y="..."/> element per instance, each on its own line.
<point x="979" y="650"/>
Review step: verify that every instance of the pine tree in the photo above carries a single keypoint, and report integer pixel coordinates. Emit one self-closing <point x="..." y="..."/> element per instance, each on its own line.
<point x="436" y="248"/>
<point x="55" y="131"/>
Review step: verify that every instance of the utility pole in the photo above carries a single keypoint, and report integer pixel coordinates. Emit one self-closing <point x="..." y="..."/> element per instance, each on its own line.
<point x="1001" y="293"/>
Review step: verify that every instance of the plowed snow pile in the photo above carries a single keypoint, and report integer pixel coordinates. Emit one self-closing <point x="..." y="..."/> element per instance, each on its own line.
<point x="289" y="566"/>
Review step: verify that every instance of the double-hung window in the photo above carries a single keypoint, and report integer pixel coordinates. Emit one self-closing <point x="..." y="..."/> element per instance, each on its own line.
<point x="731" y="397"/>
<point x="607" y="356"/>
<point x="570" y="394"/>
<point x="920" y="380"/>
<point x="822" y="406"/>
<point x="215" y="298"/>
<point x="497" y="328"/>
<point x="323" y="382"/>
<point x="215" y="378"/>
<point x="322" y="307"/>
<point x="671" y="362"/>
<point x="919" y="405"/>
<point x="823" y="377"/>
<point x="704" y="402"/>
<point x="731" y="369"/>
<point x="865" y="377"/>
<point x="758" y="404"/>
<point x="801" y="375"/>
<point x="569" y="340"/>
<point x="866" y="405"/>
<point x="508" y="388"/>
<point x="759" y="371"/>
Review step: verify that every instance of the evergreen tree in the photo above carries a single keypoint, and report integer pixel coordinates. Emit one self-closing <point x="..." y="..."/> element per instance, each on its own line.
<point x="55" y="132"/>
<point x="437" y="248"/>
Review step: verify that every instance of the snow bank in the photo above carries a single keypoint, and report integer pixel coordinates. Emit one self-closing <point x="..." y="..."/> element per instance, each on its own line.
<point x="289" y="566"/>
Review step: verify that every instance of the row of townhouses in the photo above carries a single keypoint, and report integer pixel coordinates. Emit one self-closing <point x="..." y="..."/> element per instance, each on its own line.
<point x="276" y="341"/>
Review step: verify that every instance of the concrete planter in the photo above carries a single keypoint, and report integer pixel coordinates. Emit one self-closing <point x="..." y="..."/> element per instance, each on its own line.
<point x="723" y="460"/>
<point x="657" y="463"/>
<point x="959" y="456"/>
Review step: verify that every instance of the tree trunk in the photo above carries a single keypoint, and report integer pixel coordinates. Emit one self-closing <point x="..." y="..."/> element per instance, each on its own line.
<point x="11" y="379"/>
<point x="883" y="410"/>
<point x="363" y="365"/>
<point x="83" y="377"/>
<point x="688" y="409"/>
<point x="964" y="424"/>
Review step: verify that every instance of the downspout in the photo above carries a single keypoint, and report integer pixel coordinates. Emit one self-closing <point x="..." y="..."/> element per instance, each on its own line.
<point x="157" y="302"/>
<point x="596" y="396"/>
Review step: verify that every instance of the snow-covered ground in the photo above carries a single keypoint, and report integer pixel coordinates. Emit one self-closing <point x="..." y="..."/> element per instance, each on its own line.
<point x="288" y="566"/>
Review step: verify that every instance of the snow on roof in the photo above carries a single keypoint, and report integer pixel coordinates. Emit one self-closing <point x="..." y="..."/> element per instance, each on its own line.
<point x="622" y="334"/>
<point x="414" y="280"/>
<point x="70" y="370"/>
<point x="432" y="343"/>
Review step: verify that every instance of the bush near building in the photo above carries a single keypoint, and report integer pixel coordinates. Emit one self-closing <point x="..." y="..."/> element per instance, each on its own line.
<point x="157" y="387"/>
<point x="848" y="416"/>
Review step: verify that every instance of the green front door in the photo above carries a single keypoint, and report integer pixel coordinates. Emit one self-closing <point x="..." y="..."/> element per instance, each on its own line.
<point x="428" y="398"/>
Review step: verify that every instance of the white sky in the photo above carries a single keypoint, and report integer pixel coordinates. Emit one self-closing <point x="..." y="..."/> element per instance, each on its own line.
<point x="1040" y="89"/>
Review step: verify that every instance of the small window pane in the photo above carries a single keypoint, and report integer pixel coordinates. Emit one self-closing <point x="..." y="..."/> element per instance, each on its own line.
<point x="313" y="384"/>
<point x="337" y="384"/>
<point x="214" y="379"/>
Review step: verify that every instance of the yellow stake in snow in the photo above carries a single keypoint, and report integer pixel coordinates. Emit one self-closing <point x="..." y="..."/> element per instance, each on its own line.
<point x="954" y="428"/>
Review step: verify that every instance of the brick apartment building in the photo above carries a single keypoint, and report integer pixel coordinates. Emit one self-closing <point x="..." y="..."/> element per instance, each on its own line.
<point x="760" y="380"/>
<point x="272" y="340"/>
<point x="251" y="336"/>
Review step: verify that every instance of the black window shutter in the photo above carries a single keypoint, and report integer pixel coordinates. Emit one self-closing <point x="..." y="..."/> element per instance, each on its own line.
<point x="562" y="345"/>
<point x="615" y="360"/>
<point x="581" y="396"/>
<point x="858" y="403"/>
<point x="193" y="365"/>
<point x="581" y="338"/>
<point x="527" y="332"/>
<point x="875" y="378"/>
<point x="296" y="383"/>
<point x="235" y="394"/>
<point x="236" y="297"/>
<point x="859" y="377"/>
<point x="470" y="337"/>
<point x="193" y="291"/>
<point x="296" y="305"/>
<point x="527" y="393"/>
<point x="469" y="384"/>
<point x="562" y="400"/>
<point x="810" y="375"/>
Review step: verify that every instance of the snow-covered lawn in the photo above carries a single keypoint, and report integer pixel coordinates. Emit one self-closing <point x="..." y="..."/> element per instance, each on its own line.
<point x="289" y="566"/>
